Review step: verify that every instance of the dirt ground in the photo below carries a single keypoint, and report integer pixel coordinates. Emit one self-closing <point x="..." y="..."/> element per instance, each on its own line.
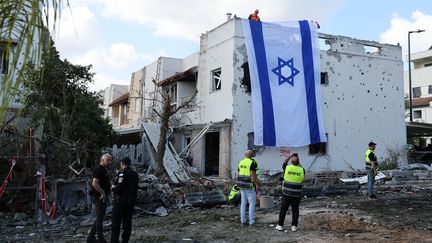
<point x="394" y="217"/>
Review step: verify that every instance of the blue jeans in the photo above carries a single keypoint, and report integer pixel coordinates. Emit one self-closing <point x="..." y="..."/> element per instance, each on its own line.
<point x="371" y="182"/>
<point x="248" y="196"/>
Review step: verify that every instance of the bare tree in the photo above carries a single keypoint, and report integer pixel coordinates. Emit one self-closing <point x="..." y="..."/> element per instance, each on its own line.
<point x="165" y="113"/>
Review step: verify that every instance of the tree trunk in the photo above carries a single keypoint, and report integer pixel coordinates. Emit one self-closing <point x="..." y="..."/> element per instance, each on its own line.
<point x="166" y="113"/>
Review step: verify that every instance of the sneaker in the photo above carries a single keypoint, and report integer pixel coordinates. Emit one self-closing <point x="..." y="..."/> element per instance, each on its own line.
<point x="293" y="228"/>
<point x="244" y="224"/>
<point x="101" y="241"/>
<point x="278" y="227"/>
<point x="372" y="197"/>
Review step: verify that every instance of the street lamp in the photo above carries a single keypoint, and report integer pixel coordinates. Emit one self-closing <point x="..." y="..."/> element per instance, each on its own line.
<point x="409" y="71"/>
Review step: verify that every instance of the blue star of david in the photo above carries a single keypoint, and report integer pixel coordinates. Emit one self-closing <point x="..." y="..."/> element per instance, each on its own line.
<point x="278" y="71"/>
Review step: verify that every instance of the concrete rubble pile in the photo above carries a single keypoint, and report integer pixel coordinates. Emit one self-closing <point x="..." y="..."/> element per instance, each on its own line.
<point x="153" y="194"/>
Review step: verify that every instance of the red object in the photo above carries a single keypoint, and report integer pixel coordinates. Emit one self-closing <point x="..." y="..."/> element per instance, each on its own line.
<point x="8" y="176"/>
<point x="53" y="211"/>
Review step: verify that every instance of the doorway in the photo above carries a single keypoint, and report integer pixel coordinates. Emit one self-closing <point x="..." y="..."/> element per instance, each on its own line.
<point x="211" y="159"/>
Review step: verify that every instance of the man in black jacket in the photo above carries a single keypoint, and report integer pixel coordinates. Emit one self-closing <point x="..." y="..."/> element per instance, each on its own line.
<point x="125" y="190"/>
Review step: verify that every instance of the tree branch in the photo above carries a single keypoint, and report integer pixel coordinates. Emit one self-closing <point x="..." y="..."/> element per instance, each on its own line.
<point x="186" y="103"/>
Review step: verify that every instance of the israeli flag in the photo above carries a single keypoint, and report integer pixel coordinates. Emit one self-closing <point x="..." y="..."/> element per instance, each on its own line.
<point x="284" y="65"/>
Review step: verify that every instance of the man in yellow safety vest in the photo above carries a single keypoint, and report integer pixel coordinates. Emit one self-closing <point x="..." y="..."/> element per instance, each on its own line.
<point x="247" y="181"/>
<point x="292" y="191"/>
<point x="371" y="168"/>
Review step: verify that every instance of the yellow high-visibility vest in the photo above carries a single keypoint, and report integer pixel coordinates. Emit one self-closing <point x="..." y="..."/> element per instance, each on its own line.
<point x="293" y="181"/>
<point x="244" y="180"/>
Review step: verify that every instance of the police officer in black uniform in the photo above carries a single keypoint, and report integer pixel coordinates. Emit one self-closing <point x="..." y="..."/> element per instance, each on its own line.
<point x="125" y="190"/>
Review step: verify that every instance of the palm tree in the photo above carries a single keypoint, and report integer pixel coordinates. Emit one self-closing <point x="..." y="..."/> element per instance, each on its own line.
<point x="24" y="26"/>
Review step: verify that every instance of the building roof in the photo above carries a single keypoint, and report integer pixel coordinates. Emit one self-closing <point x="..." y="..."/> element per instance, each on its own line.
<point x="120" y="100"/>
<point x="424" y="56"/>
<point x="186" y="76"/>
<point x="420" y="102"/>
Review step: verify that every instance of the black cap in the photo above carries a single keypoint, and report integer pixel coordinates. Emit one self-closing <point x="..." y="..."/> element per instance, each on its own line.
<point x="126" y="161"/>
<point x="372" y="144"/>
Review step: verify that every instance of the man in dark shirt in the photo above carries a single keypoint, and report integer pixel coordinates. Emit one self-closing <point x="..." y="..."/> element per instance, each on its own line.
<point x="125" y="190"/>
<point x="101" y="186"/>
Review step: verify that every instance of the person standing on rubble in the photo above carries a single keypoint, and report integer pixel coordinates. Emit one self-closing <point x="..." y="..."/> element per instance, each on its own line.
<point x="292" y="191"/>
<point x="125" y="190"/>
<point x="247" y="181"/>
<point x="254" y="16"/>
<point x="101" y="187"/>
<point x="371" y="168"/>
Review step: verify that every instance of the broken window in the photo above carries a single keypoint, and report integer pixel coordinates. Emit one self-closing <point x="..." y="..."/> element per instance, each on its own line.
<point x="417" y="114"/>
<point x="3" y="61"/>
<point x="318" y="148"/>
<point x="216" y="79"/>
<point x="246" y="82"/>
<point x="416" y="92"/>
<point x="324" y="78"/>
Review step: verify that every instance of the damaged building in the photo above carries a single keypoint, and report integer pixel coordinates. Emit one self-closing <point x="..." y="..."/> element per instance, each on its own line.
<point x="362" y="100"/>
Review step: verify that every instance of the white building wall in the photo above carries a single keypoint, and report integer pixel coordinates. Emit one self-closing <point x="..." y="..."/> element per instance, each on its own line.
<point x="363" y="101"/>
<point x="111" y="93"/>
<point x="421" y="76"/>
<point x="215" y="52"/>
<point x="190" y="61"/>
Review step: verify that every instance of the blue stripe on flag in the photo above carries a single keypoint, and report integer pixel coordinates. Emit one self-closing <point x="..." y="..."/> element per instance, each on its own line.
<point x="269" y="134"/>
<point x="308" y="70"/>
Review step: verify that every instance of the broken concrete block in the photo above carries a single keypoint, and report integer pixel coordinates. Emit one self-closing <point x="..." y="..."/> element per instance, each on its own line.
<point x="208" y="198"/>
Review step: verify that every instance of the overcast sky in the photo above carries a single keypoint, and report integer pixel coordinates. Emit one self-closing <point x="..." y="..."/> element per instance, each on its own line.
<point x="119" y="37"/>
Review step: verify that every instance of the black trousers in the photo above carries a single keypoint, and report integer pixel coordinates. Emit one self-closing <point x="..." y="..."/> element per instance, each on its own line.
<point x="97" y="226"/>
<point x="286" y="202"/>
<point x="121" y="215"/>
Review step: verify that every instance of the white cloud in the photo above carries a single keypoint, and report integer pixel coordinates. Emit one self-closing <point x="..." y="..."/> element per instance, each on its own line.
<point x="116" y="56"/>
<point x="103" y="80"/>
<point x="398" y="32"/>
<point x="78" y="31"/>
<point x="187" y="19"/>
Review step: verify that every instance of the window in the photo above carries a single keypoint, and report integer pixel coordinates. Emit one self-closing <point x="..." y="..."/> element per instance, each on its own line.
<point x="324" y="78"/>
<point x="3" y="61"/>
<point x="430" y="89"/>
<point x="417" y="114"/>
<point x="416" y="92"/>
<point x="428" y="64"/>
<point x="172" y="92"/>
<point x="216" y="79"/>
<point x="318" y="148"/>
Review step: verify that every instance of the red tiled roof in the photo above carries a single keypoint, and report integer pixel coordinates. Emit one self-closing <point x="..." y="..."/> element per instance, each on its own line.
<point x="120" y="100"/>
<point x="419" y="102"/>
